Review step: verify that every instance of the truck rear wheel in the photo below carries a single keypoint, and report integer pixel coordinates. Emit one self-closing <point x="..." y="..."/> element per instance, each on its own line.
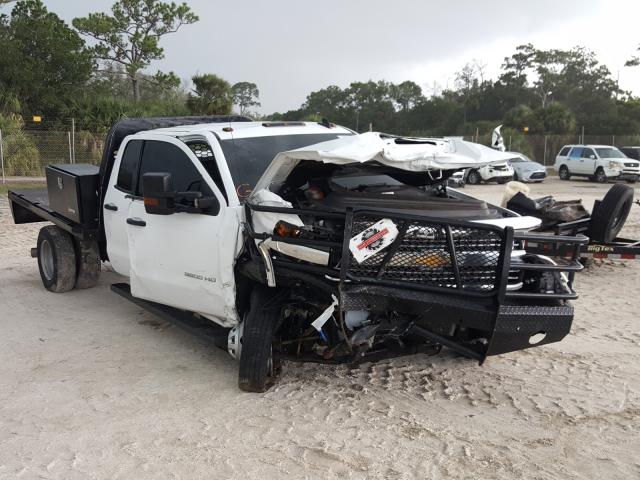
<point x="56" y="259"/>
<point x="259" y="363"/>
<point x="87" y="263"/>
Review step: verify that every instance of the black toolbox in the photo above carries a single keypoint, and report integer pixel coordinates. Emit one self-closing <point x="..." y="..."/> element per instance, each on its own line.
<point x="73" y="192"/>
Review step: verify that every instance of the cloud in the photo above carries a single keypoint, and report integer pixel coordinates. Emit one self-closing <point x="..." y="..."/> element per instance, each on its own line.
<point x="291" y="47"/>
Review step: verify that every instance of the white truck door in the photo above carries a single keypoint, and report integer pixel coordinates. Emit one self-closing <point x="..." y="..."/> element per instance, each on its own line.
<point x="184" y="260"/>
<point x="117" y="200"/>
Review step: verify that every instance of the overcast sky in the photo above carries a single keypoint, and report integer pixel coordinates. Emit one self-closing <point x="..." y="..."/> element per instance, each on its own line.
<point x="291" y="47"/>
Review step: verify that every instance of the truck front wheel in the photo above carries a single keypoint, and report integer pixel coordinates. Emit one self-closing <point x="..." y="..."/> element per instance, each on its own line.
<point x="56" y="259"/>
<point x="259" y="364"/>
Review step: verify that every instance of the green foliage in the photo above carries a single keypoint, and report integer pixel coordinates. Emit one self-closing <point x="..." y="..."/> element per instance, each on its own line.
<point x="633" y="61"/>
<point x="131" y="35"/>
<point x="211" y="95"/>
<point x="43" y="63"/>
<point x="21" y="157"/>
<point x="555" y="118"/>
<point x="245" y="95"/>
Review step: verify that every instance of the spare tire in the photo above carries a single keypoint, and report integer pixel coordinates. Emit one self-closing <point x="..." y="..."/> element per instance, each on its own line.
<point x="609" y="215"/>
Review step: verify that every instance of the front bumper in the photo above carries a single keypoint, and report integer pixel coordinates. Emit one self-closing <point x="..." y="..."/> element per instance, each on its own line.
<point x="535" y="176"/>
<point x="622" y="174"/>
<point x="506" y="328"/>
<point x="495" y="178"/>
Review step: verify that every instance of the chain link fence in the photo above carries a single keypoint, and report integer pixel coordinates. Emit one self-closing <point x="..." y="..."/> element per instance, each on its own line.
<point x="26" y="153"/>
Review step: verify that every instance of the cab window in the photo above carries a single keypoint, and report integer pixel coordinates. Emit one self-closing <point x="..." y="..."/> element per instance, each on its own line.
<point x="129" y="166"/>
<point x="564" y="152"/>
<point x="165" y="157"/>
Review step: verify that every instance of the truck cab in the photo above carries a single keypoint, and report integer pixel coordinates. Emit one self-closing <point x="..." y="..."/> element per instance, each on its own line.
<point x="171" y="259"/>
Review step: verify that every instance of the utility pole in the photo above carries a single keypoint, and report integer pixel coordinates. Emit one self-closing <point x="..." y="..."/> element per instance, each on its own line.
<point x="70" y="154"/>
<point x="73" y="140"/>
<point x="1" y="156"/>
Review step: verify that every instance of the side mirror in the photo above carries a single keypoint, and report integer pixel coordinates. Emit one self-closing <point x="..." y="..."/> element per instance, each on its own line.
<point x="157" y="189"/>
<point x="592" y="157"/>
<point x="160" y="197"/>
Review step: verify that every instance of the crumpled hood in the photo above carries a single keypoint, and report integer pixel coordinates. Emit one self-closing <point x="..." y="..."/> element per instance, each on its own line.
<point x="410" y="154"/>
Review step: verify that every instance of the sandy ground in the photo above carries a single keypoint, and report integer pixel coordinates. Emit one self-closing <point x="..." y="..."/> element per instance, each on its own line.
<point x="92" y="386"/>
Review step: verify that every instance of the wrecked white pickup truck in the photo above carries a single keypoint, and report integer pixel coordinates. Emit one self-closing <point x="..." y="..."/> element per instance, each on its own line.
<point x="343" y="248"/>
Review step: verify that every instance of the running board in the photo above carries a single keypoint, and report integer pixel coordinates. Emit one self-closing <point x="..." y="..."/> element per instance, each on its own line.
<point x="204" y="329"/>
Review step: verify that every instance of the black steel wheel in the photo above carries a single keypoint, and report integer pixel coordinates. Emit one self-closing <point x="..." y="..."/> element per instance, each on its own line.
<point x="609" y="216"/>
<point x="56" y="259"/>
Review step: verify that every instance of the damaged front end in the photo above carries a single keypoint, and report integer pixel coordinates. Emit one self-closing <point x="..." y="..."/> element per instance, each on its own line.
<point x="372" y="255"/>
<point x="422" y="284"/>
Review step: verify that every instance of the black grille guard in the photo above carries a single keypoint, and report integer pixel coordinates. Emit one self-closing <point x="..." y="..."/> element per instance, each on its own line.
<point x="429" y="254"/>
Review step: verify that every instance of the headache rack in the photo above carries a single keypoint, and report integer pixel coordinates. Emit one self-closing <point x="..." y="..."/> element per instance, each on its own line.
<point x="429" y="254"/>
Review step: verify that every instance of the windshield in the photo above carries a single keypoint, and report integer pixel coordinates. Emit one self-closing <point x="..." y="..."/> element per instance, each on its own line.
<point x="248" y="158"/>
<point x="517" y="160"/>
<point x="359" y="182"/>
<point x="610" y="152"/>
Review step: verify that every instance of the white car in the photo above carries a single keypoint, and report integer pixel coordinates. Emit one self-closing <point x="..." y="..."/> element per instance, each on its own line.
<point x="526" y="170"/>
<point x="500" y="172"/>
<point x="596" y="162"/>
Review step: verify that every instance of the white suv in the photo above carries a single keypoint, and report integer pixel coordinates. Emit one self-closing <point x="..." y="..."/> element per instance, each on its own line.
<point x="596" y="162"/>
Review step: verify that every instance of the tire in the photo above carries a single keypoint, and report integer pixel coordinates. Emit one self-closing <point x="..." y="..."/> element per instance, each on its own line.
<point x="600" y="176"/>
<point x="474" y="178"/>
<point x="515" y="177"/>
<point x="87" y="263"/>
<point x="56" y="259"/>
<point x="502" y="181"/>
<point x="632" y="180"/>
<point x="609" y="216"/>
<point x="564" y="173"/>
<point x="259" y="363"/>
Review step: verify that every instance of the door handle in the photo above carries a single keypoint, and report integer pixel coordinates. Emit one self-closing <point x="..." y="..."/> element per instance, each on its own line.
<point x="111" y="206"/>
<point x="137" y="222"/>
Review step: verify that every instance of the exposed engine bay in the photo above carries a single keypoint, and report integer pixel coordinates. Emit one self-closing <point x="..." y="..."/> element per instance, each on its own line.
<point x="373" y="261"/>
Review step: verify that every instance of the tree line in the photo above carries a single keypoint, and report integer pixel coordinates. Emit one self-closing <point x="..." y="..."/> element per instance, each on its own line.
<point x="49" y="70"/>
<point x="97" y="71"/>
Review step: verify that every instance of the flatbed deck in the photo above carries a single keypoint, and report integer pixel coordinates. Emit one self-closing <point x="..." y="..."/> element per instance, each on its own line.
<point x="32" y="205"/>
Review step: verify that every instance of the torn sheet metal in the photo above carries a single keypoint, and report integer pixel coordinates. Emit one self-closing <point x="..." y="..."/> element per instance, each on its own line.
<point x="410" y="154"/>
<point x="265" y="222"/>
<point x="319" y="322"/>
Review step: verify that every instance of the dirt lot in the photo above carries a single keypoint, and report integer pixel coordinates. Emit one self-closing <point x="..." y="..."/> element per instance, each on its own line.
<point x="91" y="386"/>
